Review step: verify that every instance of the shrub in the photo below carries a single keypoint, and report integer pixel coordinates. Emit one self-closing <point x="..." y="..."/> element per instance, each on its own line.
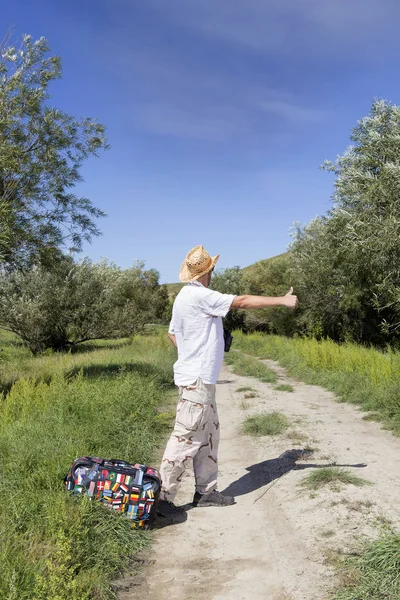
<point x="75" y="302"/>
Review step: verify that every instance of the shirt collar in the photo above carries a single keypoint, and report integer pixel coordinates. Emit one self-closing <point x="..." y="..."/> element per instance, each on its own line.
<point x="196" y="283"/>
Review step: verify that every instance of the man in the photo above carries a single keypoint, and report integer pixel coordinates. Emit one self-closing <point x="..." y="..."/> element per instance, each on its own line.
<point x="196" y="331"/>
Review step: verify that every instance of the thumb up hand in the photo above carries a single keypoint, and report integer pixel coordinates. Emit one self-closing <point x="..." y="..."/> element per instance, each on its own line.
<point x="290" y="301"/>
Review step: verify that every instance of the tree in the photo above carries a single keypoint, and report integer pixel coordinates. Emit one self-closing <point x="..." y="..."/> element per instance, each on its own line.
<point x="230" y="281"/>
<point x="77" y="302"/>
<point x="271" y="277"/>
<point x="333" y="303"/>
<point x="162" y="306"/>
<point x="41" y="151"/>
<point x="348" y="262"/>
<point x="367" y="190"/>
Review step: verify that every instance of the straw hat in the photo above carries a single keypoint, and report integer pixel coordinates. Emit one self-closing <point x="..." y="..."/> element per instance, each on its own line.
<point x="196" y="264"/>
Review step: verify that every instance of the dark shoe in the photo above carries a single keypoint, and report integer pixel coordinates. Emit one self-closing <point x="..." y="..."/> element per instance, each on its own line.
<point x="169" y="510"/>
<point x="212" y="499"/>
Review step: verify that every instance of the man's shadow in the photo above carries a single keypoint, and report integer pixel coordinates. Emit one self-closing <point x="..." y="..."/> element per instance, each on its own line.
<point x="258" y="476"/>
<point x="267" y="471"/>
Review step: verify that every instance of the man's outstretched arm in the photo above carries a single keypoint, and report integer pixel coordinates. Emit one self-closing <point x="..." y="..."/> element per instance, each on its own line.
<point x="246" y="302"/>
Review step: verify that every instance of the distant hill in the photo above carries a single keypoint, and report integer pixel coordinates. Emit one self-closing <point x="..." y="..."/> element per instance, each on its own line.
<point x="174" y="288"/>
<point x="264" y="261"/>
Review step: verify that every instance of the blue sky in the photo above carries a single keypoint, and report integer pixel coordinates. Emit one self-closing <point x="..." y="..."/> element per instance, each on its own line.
<point x="218" y="112"/>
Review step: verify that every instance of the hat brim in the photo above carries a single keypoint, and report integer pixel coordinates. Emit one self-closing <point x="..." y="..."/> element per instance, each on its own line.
<point x="186" y="276"/>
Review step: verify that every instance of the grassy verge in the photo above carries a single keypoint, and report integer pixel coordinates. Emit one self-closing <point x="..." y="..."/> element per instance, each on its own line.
<point x="250" y="367"/>
<point x="375" y="574"/>
<point x="266" y="424"/>
<point x="103" y="402"/>
<point x="359" y="375"/>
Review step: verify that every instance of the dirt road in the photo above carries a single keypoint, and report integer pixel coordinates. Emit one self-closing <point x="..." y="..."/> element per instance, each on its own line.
<point x="275" y="542"/>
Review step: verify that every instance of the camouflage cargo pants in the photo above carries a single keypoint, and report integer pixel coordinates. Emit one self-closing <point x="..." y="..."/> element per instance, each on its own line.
<point x="195" y="438"/>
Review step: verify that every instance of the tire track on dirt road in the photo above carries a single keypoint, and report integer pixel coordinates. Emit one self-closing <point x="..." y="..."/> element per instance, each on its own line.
<point x="273" y="543"/>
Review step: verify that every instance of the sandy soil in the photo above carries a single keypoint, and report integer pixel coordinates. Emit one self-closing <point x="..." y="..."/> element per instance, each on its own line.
<point x="276" y="542"/>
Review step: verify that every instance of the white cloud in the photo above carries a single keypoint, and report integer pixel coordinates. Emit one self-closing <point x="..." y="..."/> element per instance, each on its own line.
<point x="216" y="123"/>
<point x="292" y="112"/>
<point x="178" y="90"/>
<point x="291" y="26"/>
<point x="207" y="104"/>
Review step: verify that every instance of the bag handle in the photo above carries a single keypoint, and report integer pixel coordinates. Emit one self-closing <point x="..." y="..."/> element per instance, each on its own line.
<point x="126" y="464"/>
<point x="116" y="460"/>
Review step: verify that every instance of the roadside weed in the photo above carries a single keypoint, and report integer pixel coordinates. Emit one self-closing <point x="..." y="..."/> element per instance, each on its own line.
<point x="331" y="476"/>
<point x="272" y="423"/>
<point x="284" y="387"/>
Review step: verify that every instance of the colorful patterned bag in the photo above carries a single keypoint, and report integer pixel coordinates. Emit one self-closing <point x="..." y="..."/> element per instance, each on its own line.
<point x="132" y="490"/>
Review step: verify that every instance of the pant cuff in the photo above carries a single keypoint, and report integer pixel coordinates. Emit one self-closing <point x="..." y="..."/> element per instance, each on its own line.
<point x="204" y="489"/>
<point x="167" y="496"/>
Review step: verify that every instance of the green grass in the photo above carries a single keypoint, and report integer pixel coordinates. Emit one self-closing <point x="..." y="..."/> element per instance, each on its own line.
<point x="284" y="387"/>
<point x="375" y="574"/>
<point x="266" y="424"/>
<point x="16" y="361"/>
<point x="245" y="388"/>
<point x="331" y="476"/>
<point x="363" y="376"/>
<point x="104" y="402"/>
<point x="90" y="356"/>
<point x="250" y="367"/>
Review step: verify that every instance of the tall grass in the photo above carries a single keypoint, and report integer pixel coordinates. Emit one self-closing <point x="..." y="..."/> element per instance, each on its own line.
<point x="360" y="375"/>
<point x="16" y="361"/>
<point x="250" y="367"/>
<point x="375" y="574"/>
<point x="103" y="402"/>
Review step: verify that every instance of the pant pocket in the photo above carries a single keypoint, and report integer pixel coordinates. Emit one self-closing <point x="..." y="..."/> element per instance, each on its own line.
<point x="189" y="415"/>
